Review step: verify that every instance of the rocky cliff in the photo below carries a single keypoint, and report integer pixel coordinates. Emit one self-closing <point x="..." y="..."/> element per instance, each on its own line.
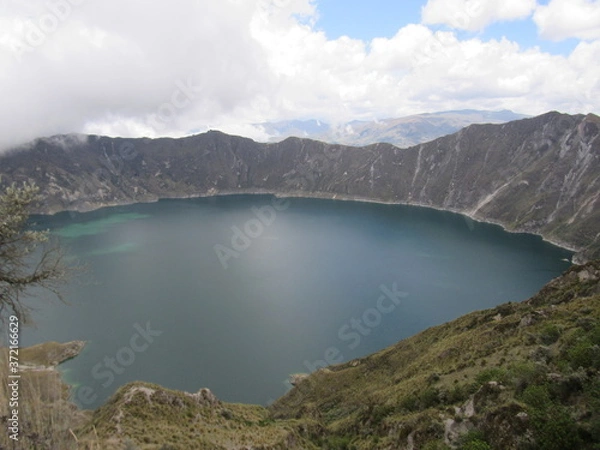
<point x="538" y="175"/>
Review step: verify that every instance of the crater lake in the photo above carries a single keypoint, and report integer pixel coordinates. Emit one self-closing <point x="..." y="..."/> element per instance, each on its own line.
<point x="235" y="293"/>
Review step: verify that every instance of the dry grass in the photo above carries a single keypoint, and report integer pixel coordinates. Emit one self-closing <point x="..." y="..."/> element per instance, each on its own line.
<point x="45" y="414"/>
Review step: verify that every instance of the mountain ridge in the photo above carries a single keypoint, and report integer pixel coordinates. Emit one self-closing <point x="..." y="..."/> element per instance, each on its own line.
<point x="539" y="175"/>
<point x="401" y="131"/>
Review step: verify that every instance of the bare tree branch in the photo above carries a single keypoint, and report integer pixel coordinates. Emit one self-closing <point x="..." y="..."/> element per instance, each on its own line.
<point x="28" y="258"/>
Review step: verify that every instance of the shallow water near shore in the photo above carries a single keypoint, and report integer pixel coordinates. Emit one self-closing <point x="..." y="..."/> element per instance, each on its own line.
<point x="235" y="293"/>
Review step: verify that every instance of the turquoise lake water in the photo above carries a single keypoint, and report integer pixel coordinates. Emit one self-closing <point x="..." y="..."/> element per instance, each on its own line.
<point x="235" y="293"/>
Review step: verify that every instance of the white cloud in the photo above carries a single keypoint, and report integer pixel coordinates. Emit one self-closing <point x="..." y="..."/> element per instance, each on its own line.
<point x="475" y="15"/>
<point x="126" y="68"/>
<point x="107" y="60"/>
<point x="419" y="70"/>
<point x="562" y="19"/>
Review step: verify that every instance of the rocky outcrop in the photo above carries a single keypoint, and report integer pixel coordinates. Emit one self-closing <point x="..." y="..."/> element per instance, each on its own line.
<point x="538" y="175"/>
<point x="297" y="378"/>
<point x="48" y="355"/>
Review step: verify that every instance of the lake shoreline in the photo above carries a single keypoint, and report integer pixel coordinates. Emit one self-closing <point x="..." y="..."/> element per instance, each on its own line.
<point x="576" y="258"/>
<point x="316" y="252"/>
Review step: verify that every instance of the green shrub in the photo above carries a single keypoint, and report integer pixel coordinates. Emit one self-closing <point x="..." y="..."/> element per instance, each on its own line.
<point x="476" y="445"/>
<point x="591" y="392"/>
<point x="594" y="429"/>
<point x="584" y="354"/>
<point x="537" y="397"/>
<point x="429" y="397"/>
<point x="594" y="335"/>
<point x="556" y="429"/>
<point x="265" y="422"/>
<point x="435" y="445"/>
<point x="525" y="374"/>
<point x="410" y="403"/>
<point x="582" y="349"/>
<point x="337" y="443"/>
<point x="380" y="412"/>
<point x="473" y="440"/>
<point x="492" y="374"/>
<point x="458" y="394"/>
<point x="549" y="334"/>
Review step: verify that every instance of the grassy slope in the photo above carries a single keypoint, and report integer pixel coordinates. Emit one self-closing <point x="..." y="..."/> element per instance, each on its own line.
<point x="543" y="354"/>
<point x="147" y="416"/>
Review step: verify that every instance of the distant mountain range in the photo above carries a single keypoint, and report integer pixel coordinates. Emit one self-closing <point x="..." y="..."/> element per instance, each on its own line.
<point x="539" y="175"/>
<point x="402" y="132"/>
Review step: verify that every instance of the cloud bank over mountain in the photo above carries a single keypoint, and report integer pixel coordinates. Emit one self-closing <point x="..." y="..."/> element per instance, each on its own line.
<point x="169" y="69"/>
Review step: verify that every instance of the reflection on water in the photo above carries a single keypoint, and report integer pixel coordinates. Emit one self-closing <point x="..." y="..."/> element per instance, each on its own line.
<point x="302" y="286"/>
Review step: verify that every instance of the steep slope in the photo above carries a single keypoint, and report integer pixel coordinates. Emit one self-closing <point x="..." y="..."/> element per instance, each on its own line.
<point x="539" y="175"/>
<point x="518" y="376"/>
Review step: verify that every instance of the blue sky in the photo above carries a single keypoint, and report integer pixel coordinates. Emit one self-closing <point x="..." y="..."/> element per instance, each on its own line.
<point x="383" y="18"/>
<point x="524" y="32"/>
<point x="178" y="67"/>
<point x="366" y="19"/>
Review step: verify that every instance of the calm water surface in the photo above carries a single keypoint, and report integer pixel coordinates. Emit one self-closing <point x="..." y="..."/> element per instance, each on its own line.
<point x="175" y="295"/>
